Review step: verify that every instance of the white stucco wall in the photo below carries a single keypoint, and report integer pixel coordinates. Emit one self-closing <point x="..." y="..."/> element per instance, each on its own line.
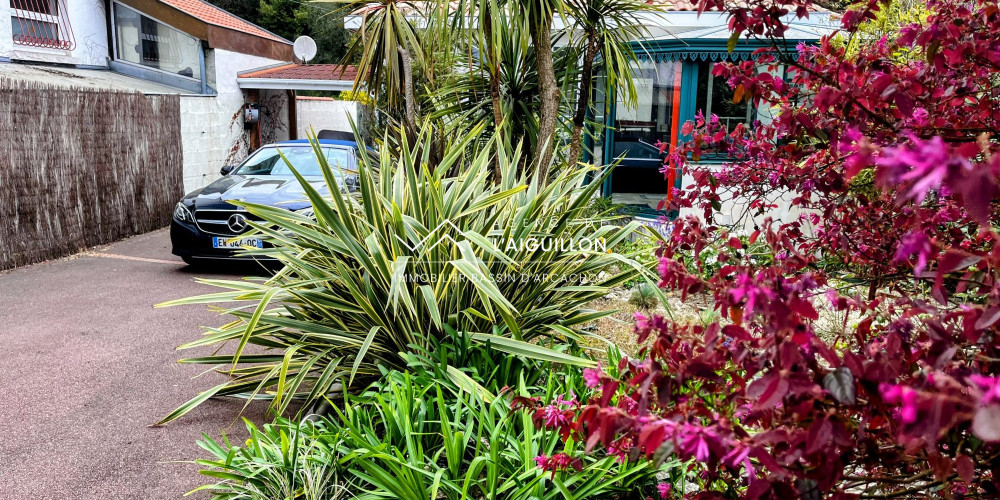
<point x="733" y="211"/>
<point x="212" y="131"/>
<point x="324" y="115"/>
<point x="6" y="33"/>
<point x="89" y="22"/>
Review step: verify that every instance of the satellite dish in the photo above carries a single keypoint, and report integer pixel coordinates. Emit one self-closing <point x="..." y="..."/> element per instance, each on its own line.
<point x="304" y="48"/>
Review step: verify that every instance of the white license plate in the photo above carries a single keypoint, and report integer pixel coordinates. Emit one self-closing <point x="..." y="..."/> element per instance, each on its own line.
<point x="236" y="242"/>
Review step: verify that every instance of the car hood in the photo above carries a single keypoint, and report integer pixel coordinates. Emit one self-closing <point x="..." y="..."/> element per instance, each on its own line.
<point x="284" y="192"/>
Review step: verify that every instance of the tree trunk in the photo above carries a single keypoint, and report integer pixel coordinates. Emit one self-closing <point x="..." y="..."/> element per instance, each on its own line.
<point x="408" y="95"/>
<point x="494" y="85"/>
<point x="491" y="55"/>
<point x="583" y="98"/>
<point x="548" y="89"/>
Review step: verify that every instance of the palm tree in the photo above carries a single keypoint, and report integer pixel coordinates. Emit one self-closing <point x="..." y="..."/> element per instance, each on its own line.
<point x="539" y="15"/>
<point x="385" y="49"/>
<point x="608" y="27"/>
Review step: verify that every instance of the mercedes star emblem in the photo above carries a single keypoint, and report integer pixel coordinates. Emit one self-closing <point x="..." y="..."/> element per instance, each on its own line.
<point x="237" y="223"/>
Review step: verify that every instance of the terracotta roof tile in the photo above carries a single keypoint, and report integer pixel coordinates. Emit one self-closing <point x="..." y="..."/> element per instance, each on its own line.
<point x="214" y="15"/>
<point x="676" y="5"/>
<point x="304" y="72"/>
<point x="420" y="6"/>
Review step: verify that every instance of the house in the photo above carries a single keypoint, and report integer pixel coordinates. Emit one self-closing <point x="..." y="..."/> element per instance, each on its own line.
<point x="185" y="47"/>
<point x="110" y="110"/>
<point x="674" y="83"/>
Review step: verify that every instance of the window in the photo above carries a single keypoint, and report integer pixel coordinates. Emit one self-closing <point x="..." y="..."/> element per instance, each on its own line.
<point x="655" y="115"/>
<point x="715" y="96"/>
<point x="638" y="127"/>
<point x="41" y="23"/>
<point x="143" y="40"/>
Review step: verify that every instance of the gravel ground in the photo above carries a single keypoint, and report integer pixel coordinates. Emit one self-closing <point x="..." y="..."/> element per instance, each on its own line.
<point x="88" y="365"/>
<point x="619" y="327"/>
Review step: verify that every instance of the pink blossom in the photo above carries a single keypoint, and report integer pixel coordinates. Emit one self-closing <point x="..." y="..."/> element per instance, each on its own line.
<point x="664" y="489"/>
<point x="740" y="455"/>
<point x="560" y="401"/>
<point x="695" y="441"/>
<point x="592" y="377"/>
<point x="906" y="396"/>
<point x="620" y="447"/>
<point x="989" y="388"/>
<point x="750" y="293"/>
<point x="558" y="462"/>
<point x="553" y="417"/>
<point x="922" y="164"/>
<point x="918" y="244"/>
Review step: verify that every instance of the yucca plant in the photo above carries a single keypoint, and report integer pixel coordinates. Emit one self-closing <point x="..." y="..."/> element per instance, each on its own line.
<point x="284" y="460"/>
<point x="417" y="248"/>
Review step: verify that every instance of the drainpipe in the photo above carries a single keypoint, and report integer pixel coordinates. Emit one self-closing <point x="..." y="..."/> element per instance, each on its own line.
<point x="204" y="77"/>
<point x="293" y="121"/>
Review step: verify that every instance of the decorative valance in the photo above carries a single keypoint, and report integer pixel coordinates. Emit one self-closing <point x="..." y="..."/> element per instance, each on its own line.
<point x="696" y="55"/>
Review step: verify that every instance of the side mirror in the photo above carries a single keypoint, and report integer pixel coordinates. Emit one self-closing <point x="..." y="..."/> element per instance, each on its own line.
<point x="226" y="169"/>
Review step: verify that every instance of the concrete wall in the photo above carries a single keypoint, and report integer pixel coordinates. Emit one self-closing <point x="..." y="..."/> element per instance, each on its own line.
<point x="212" y="126"/>
<point x="324" y="114"/>
<point x="6" y="32"/>
<point x="88" y="19"/>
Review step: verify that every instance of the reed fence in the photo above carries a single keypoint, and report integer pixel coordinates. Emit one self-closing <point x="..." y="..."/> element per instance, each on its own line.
<point x="81" y="167"/>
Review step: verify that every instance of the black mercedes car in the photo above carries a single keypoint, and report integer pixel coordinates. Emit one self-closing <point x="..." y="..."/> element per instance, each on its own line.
<point x="206" y="226"/>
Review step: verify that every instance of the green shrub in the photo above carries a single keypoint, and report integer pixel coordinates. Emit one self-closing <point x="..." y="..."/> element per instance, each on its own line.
<point x="283" y="460"/>
<point x="412" y="437"/>
<point x="643" y="297"/>
<point x="419" y="247"/>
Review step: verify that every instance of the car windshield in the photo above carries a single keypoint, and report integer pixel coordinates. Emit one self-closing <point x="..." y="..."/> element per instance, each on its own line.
<point x="267" y="161"/>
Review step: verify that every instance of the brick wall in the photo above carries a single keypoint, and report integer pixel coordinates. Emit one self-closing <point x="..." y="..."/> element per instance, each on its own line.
<point x="83" y="167"/>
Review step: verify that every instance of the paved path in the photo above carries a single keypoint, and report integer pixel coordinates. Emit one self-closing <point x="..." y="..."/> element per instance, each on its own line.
<point x="86" y="364"/>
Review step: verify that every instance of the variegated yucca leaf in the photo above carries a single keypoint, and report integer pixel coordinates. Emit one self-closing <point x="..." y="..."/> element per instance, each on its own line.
<point x="416" y="249"/>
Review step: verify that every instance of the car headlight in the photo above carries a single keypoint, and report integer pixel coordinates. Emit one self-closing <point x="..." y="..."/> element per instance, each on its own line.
<point x="182" y="213"/>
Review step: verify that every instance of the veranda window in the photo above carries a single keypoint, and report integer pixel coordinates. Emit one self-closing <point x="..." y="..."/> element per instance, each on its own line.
<point x="715" y="97"/>
<point x="146" y="41"/>
<point x="655" y="116"/>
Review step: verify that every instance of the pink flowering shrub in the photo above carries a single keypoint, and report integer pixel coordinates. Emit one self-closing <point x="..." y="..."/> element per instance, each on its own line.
<point x="892" y="154"/>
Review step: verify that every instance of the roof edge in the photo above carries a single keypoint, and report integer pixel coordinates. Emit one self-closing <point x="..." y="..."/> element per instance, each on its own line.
<point x="263" y="68"/>
<point x="280" y="39"/>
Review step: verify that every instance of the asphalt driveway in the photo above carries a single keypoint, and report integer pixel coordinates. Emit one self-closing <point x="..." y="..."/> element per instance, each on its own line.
<point x="87" y="364"/>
